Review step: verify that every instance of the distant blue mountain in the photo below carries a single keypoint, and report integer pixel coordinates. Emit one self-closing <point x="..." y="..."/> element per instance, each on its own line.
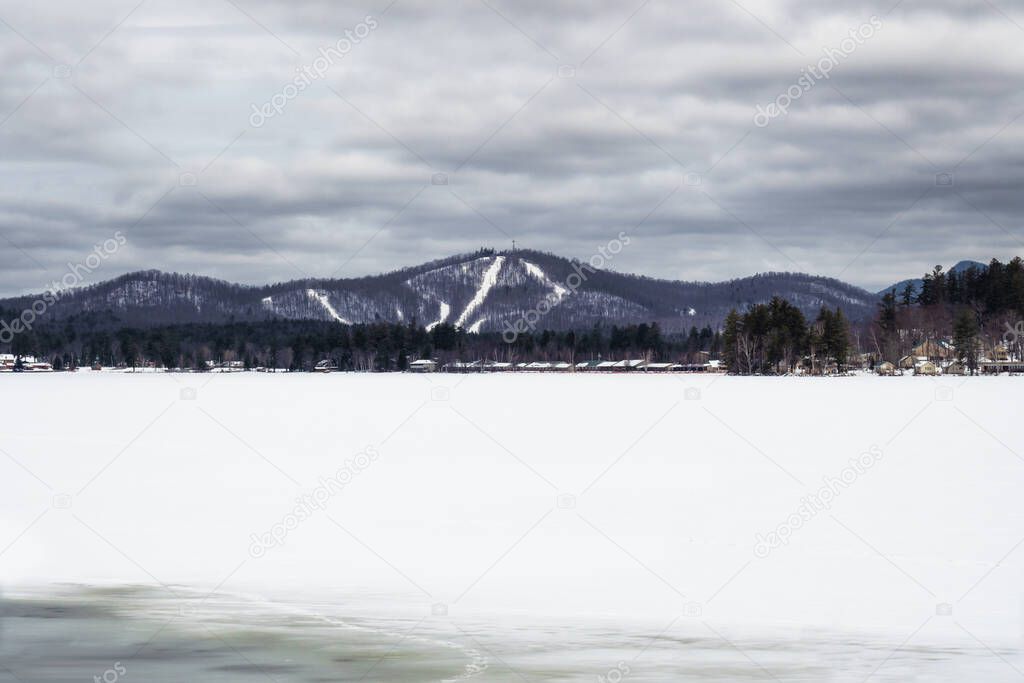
<point x="917" y="283"/>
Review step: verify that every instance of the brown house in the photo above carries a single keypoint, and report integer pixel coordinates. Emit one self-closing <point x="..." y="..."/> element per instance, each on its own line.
<point x="933" y="350"/>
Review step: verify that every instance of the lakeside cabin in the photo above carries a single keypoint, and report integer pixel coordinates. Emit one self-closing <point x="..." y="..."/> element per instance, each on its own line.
<point x="326" y="365"/>
<point x="8" y="361"/>
<point x="934" y="351"/>
<point x="995" y="367"/>
<point x="625" y="365"/>
<point x="423" y="365"/>
<point x="954" y="367"/>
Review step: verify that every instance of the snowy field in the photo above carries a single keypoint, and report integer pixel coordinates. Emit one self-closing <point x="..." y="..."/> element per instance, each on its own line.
<point x="510" y="527"/>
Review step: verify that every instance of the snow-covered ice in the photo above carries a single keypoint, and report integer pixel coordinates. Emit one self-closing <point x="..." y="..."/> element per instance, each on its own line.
<point x="565" y="522"/>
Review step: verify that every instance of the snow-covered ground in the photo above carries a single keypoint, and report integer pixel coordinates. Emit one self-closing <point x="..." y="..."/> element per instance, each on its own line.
<point x="695" y="526"/>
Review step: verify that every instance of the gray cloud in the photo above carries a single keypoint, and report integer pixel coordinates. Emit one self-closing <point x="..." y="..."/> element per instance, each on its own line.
<point x="558" y="124"/>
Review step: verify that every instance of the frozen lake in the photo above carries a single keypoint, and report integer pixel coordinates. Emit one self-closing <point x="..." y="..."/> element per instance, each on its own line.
<point x="510" y="527"/>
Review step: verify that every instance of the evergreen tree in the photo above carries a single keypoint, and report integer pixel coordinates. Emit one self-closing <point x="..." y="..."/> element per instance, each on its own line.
<point x="887" y="325"/>
<point x="909" y="295"/>
<point x="840" y="338"/>
<point x="834" y="336"/>
<point x="933" y="288"/>
<point x="730" y="341"/>
<point x="965" y="339"/>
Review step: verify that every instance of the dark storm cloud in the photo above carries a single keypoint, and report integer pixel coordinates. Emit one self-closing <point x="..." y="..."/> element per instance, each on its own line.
<point x="557" y="124"/>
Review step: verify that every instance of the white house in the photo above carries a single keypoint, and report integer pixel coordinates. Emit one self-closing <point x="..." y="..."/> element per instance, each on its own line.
<point x="423" y="365"/>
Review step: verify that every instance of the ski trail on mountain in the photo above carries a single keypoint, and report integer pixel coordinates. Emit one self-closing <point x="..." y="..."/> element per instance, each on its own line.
<point x="475" y="327"/>
<point x="445" y="312"/>
<point x="489" y="280"/>
<point x="534" y="270"/>
<point x="322" y="298"/>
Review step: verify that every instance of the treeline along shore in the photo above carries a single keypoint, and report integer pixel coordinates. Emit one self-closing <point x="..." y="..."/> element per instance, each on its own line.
<point x="968" y="318"/>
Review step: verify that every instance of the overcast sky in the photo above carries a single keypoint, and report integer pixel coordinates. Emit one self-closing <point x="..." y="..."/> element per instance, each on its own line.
<point x="557" y="124"/>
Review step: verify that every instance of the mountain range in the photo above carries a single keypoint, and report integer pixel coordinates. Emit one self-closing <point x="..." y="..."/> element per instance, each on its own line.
<point x="486" y="291"/>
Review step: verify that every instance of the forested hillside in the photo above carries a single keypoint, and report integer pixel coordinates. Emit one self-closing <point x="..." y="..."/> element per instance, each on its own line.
<point x="485" y="291"/>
